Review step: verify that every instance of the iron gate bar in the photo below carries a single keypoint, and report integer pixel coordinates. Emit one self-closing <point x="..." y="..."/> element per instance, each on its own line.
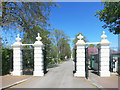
<point x="28" y="66"/>
<point x="98" y="61"/>
<point x="27" y="44"/>
<point x="92" y="42"/>
<point x="111" y="60"/>
<point x="75" y="62"/>
<point x="45" y="60"/>
<point x="86" y="63"/>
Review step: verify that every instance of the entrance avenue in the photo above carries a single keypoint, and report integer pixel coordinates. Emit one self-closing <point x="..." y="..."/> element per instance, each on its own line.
<point x="60" y="76"/>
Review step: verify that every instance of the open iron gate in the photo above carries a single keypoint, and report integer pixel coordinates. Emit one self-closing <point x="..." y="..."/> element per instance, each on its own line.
<point x="75" y="68"/>
<point x="86" y="63"/>
<point x="45" y="63"/>
<point x="98" y="61"/>
<point x="112" y="63"/>
<point x="87" y="60"/>
<point x="28" y="61"/>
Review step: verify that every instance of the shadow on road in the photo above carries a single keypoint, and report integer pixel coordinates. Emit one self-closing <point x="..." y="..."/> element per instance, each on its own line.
<point x="28" y="72"/>
<point x="52" y="66"/>
<point x="95" y="72"/>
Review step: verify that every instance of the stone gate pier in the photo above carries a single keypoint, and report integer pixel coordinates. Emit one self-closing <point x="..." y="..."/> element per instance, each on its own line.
<point x="18" y="61"/>
<point x="38" y="57"/>
<point x="104" y="57"/>
<point x="80" y="56"/>
<point x="17" y="57"/>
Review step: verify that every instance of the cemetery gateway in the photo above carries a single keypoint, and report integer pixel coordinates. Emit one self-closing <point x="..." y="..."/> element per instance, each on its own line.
<point x="80" y="57"/>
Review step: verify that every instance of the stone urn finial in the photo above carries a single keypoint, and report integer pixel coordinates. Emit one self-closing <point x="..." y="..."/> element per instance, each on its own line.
<point x="38" y="42"/>
<point x="80" y="41"/>
<point x="18" y="42"/>
<point x="38" y="38"/>
<point x="104" y="41"/>
<point x="18" y="38"/>
<point x="104" y="36"/>
<point x="80" y="37"/>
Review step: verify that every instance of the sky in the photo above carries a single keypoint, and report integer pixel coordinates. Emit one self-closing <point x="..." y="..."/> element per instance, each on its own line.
<point x="75" y="17"/>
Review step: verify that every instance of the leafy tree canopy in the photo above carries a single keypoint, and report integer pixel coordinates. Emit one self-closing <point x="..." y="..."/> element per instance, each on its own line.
<point x="64" y="48"/>
<point x="26" y="14"/>
<point x="23" y="17"/>
<point x="91" y="45"/>
<point x="60" y="40"/>
<point x="111" y="16"/>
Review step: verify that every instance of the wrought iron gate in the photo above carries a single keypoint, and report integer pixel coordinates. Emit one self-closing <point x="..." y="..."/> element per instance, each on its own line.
<point x="86" y="63"/>
<point x="45" y="60"/>
<point x="28" y="61"/>
<point x="98" y="61"/>
<point x="75" y="69"/>
<point x="112" y="63"/>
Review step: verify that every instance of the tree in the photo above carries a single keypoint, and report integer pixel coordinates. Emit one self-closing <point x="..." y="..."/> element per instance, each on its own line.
<point x="32" y="34"/>
<point x="46" y="40"/>
<point x="111" y="16"/>
<point x="68" y="51"/>
<point x="91" y="45"/>
<point x="58" y="35"/>
<point x="28" y="18"/>
<point x="26" y="14"/>
<point x="0" y="40"/>
<point x="23" y="16"/>
<point x="64" y="48"/>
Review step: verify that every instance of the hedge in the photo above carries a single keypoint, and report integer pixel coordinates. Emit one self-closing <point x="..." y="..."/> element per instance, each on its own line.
<point x="7" y="59"/>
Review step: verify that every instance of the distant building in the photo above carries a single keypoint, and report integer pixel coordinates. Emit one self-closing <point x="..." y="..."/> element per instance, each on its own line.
<point x="118" y="42"/>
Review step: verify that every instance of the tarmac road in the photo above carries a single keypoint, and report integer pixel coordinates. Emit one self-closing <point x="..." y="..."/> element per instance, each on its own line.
<point x="57" y="77"/>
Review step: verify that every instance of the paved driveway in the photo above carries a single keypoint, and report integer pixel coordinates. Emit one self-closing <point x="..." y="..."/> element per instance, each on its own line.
<point x="57" y="77"/>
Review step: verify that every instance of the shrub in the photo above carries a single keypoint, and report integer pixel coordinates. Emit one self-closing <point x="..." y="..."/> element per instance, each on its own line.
<point x="7" y="57"/>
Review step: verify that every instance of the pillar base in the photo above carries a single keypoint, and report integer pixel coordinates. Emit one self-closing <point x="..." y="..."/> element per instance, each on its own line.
<point x="17" y="73"/>
<point x="80" y="74"/>
<point x="38" y="73"/>
<point x="104" y="73"/>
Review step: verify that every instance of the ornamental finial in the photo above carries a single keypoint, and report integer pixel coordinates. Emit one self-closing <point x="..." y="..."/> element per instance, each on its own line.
<point x="80" y="37"/>
<point x="38" y="38"/>
<point x="103" y="36"/>
<point x="18" y="38"/>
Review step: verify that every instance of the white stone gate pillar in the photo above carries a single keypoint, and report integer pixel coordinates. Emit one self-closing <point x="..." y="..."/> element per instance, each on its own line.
<point x="17" y="58"/>
<point x="80" y="57"/>
<point x="104" y="56"/>
<point x="38" y="57"/>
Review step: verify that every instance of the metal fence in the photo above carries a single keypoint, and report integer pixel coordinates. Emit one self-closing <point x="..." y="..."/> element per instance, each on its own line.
<point x="114" y="60"/>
